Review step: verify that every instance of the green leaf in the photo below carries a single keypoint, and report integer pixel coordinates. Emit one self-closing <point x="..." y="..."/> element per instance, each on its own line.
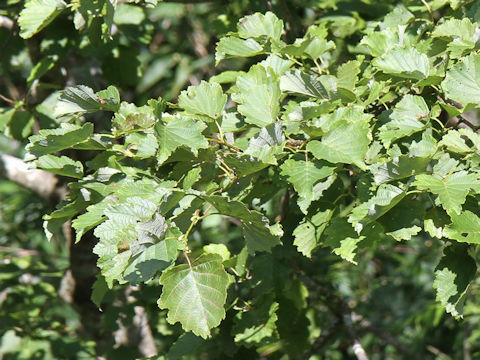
<point x="37" y="14"/>
<point x="49" y="141"/>
<point x="99" y="289"/>
<point x="259" y="25"/>
<point x="461" y="34"/>
<point x="399" y="167"/>
<point x="81" y="99"/>
<point x="259" y="236"/>
<point x="307" y="234"/>
<point x="298" y="82"/>
<point x="267" y="144"/>
<point x="405" y="119"/>
<point x="405" y="233"/>
<point x="204" y="99"/>
<point x="176" y="131"/>
<point x="219" y="249"/>
<point x="387" y="197"/>
<point x="61" y="166"/>
<point x="404" y="62"/>
<point x="259" y="96"/>
<point x="347" y="248"/>
<point x="345" y="143"/>
<point x="303" y="175"/>
<point x="462" y="81"/>
<point x="451" y="189"/>
<point x="256" y="326"/>
<point x="234" y="47"/>
<point x="195" y="295"/>
<point x="453" y="275"/>
<point x="347" y="74"/>
<point x="465" y="227"/>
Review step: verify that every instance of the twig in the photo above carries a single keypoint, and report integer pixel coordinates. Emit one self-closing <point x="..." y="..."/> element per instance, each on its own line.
<point x="357" y="347"/>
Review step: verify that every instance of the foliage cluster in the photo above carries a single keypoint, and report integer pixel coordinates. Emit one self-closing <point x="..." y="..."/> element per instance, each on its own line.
<point x="292" y="204"/>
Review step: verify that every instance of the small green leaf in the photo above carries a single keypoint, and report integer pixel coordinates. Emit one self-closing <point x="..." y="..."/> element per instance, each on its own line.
<point x="405" y="233"/>
<point x="204" y="99"/>
<point x="234" y="47"/>
<point x="195" y="295"/>
<point x="37" y="14"/>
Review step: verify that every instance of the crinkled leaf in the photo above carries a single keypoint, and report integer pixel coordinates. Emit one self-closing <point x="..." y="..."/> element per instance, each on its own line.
<point x="345" y="143"/>
<point x="81" y="99"/>
<point x="451" y="189"/>
<point x="176" y="131"/>
<point x="404" y="62"/>
<point x="195" y="295"/>
<point x="37" y="14"/>
<point x="204" y="99"/>
<point x="452" y="278"/>
<point x="259" y="25"/>
<point x="234" y="47"/>
<point x="465" y="227"/>
<point x="61" y="166"/>
<point x="462" y="81"/>
<point x="405" y="119"/>
<point x="259" y="96"/>
<point x="387" y="197"/>
<point x="307" y="234"/>
<point x="298" y="82"/>
<point x="267" y="144"/>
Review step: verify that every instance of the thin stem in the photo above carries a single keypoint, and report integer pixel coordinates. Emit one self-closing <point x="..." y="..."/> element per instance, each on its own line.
<point x="221" y="142"/>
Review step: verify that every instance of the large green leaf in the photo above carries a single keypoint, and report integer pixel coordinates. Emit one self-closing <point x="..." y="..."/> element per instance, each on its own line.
<point x="61" y="166"/>
<point x="176" y="131"/>
<point x="195" y="295"/>
<point x="462" y="82"/>
<point x="451" y="189"/>
<point x="204" y="99"/>
<point x="37" y="14"/>
<point x="259" y="96"/>
<point x="345" y="143"/>
<point x="235" y="47"/>
<point x="405" y="119"/>
<point x="404" y="62"/>
<point x="453" y="275"/>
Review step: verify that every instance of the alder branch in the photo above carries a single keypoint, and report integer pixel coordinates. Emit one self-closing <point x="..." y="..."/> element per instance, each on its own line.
<point x="40" y="182"/>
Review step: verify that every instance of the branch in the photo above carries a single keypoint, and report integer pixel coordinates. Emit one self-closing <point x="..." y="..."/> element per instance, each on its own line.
<point x="41" y="182"/>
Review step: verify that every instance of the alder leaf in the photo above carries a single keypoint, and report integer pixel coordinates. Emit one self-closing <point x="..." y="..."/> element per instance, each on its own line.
<point x="404" y="62"/>
<point x="453" y="275"/>
<point x="451" y="189"/>
<point x="258" y="95"/>
<point x="307" y="234"/>
<point x="462" y="81"/>
<point x="345" y="143"/>
<point x="204" y="99"/>
<point x="465" y="227"/>
<point x="195" y="295"/>
<point x="176" y="131"/>
<point x="37" y="14"/>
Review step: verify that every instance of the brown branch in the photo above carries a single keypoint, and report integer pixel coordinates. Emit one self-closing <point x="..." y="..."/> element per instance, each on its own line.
<point x="41" y="182"/>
